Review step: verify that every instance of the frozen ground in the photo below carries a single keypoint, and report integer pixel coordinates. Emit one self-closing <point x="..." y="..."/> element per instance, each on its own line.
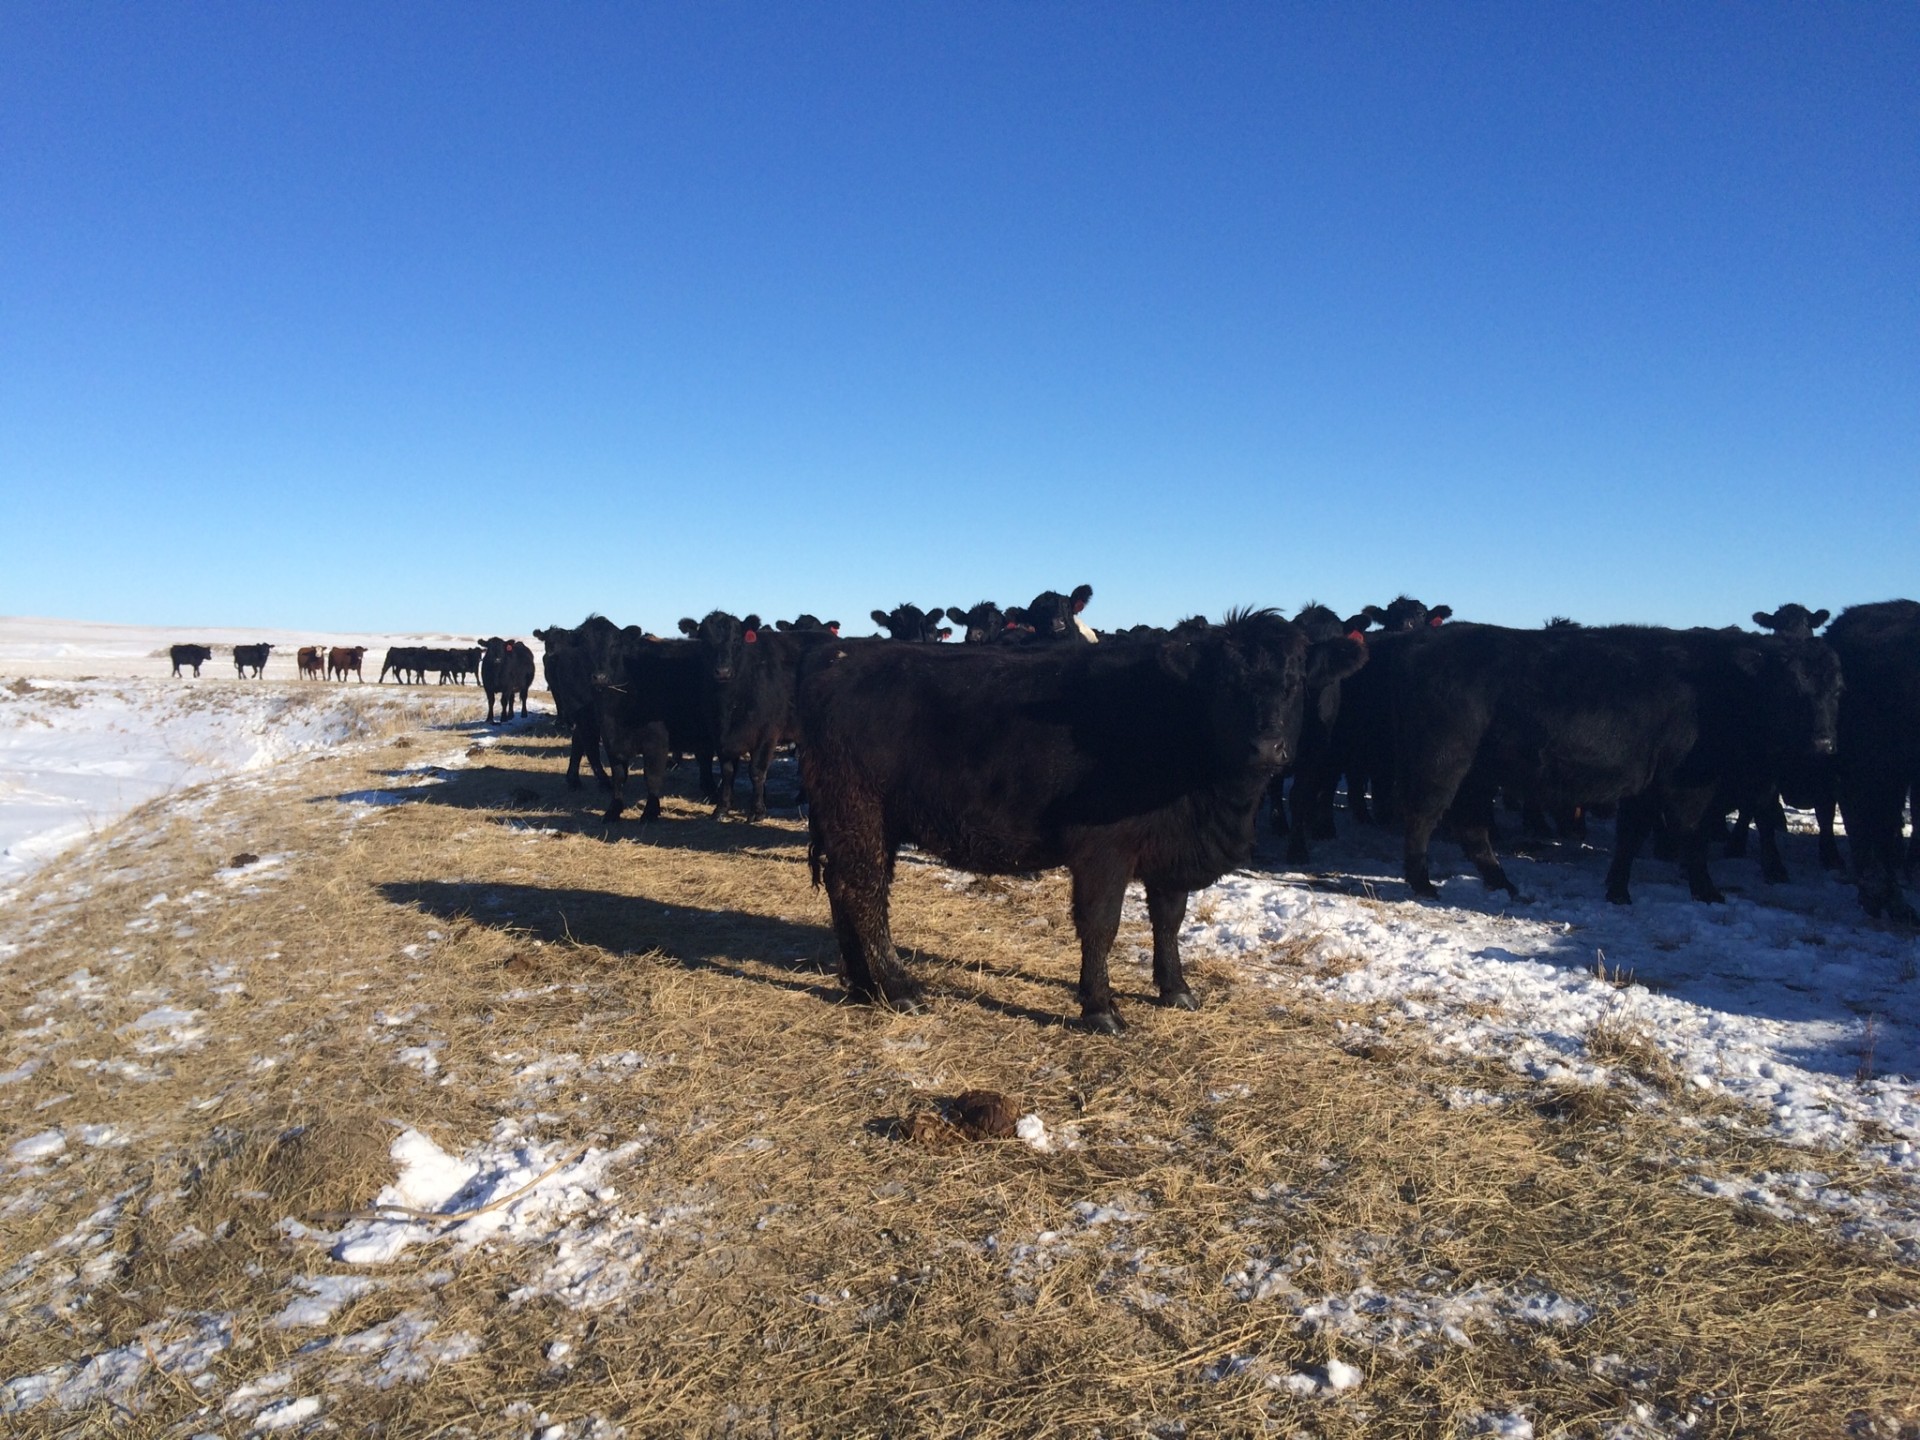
<point x="92" y="724"/>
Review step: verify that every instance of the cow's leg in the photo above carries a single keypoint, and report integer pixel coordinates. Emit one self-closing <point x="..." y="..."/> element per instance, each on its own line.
<point x="1737" y="836"/>
<point x="762" y="760"/>
<point x="723" y="802"/>
<point x="1166" y="908"/>
<point x="1871" y="805"/>
<point x="1631" y="826"/>
<point x="617" y="799"/>
<point x="1425" y="794"/>
<point x="653" y="752"/>
<point x="709" y="787"/>
<point x="1277" y="798"/>
<point x="1686" y="818"/>
<point x="1769" y="820"/>
<point x="1099" y="887"/>
<point x="1830" y="857"/>
<point x="576" y="751"/>
<point x="854" y="860"/>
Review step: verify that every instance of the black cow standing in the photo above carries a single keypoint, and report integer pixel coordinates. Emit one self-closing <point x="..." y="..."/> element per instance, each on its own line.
<point x="652" y="702"/>
<point x="750" y="674"/>
<point x="1136" y="761"/>
<point x="194" y="655"/>
<point x="1314" y="776"/>
<point x="249" y="657"/>
<point x="1659" y="720"/>
<point x="1807" y="783"/>
<point x="912" y="624"/>
<point x="506" y="670"/>
<point x="1879" y="752"/>
<point x="570" y="682"/>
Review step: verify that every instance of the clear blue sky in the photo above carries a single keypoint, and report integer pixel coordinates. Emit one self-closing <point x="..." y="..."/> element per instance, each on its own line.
<point x="472" y="317"/>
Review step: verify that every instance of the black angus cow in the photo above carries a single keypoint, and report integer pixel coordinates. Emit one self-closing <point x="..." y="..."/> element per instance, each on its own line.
<point x="1053" y="616"/>
<point x="651" y="700"/>
<point x="250" y="657"/>
<point x="194" y="655"/>
<point x="569" y="675"/>
<point x="400" y="660"/>
<point x="506" y="670"/>
<point x="1118" y="762"/>
<point x="1407" y="613"/>
<point x="1879" y="750"/>
<point x="912" y="624"/>
<point x="1658" y="720"/>
<point x="812" y="623"/>
<point x="983" y="624"/>
<point x="750" y="676"/>
<point x="1313" y="778"/>
<point x="1807" y="783"/>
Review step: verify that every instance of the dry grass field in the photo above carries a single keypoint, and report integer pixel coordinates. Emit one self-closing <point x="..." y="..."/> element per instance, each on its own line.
<point x="1245" y="1224"/>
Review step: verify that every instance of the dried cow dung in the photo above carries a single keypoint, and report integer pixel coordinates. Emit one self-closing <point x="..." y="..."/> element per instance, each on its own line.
<point x="984" y="1115"/>
<point x="242" y="860"/>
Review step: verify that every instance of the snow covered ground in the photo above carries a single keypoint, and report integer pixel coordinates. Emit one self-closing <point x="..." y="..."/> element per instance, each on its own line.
<point x="92" y="724"/>
<point x="69" y="649"/>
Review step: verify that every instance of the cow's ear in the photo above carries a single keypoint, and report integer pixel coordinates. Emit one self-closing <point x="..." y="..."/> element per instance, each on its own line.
<point x="880" y="618"/>
<point x="783" y="626"/>
<point x="1081" y="595"/>
<point x="689" y="627"/>
<point x="1439" y="613"/>
<point x="1375" y="614"/>
<point x="1817" y="619"/>
<point x="834" y="626"/>
<point x="1332" y="660"/>
<point x="1354" y="624"/>
<point x="752" y="622"/>
<point x="1763" y="620"/>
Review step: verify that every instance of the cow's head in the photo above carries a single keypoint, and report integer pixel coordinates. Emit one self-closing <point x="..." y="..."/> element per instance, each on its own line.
<point x="1407" y="613"/>
<point x="1051" y="615"/>
<point x="723" y="641"/>
<point x="1795" y="621"/>
<point x="981" y="624"/>
<point x="1263" y="672"/>
<point x="1795" y="693"/>
<point x="912" y="624"/>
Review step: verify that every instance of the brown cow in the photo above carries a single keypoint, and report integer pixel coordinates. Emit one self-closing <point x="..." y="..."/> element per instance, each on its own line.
<point x="312" y="661"/>
<point x="342" y="658"/>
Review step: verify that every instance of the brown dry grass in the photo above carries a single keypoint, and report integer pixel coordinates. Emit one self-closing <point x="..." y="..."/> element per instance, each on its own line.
<point x="774" y="1112"/>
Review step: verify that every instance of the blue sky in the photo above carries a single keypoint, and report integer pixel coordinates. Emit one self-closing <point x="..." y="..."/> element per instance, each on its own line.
<point x="479" y="317"/>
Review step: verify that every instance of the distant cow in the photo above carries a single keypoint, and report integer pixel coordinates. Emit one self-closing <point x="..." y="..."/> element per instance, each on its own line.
<point x="194" y="655"/>
<point x="1659" y="720"/>
<point x="344" y="658"/>
<point x="1807" y="783"/>
<point x="1879" y="752"/>
<point x="312" y="660"/>
<point x="912" y="624"/>
<point x="1314" y="774"/>
<point x="1053" y="616"/>
<point x="250" y="657"/>
<point x="1407" y="613"/>
<point x="808" y="623"/>
<point x="506" y="670"/>
<point x="1136" y="761"/>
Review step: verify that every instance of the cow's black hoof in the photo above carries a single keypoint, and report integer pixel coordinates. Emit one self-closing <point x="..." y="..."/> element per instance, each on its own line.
<point x="612" y="817"/>
<point x="1423" y="889"/>
<point x="1103" y="1022"/>
<point x="1711" y="897"/>
<point x="1180" y="1000"/>
<point x="756" y="814"/>
<point x="1619" y="897"/>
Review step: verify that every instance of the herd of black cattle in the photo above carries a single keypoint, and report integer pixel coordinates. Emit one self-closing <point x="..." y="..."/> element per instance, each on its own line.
<point x="1146" y="754"/>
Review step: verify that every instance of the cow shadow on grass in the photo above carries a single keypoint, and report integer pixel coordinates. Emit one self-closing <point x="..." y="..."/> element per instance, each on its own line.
<point x="695" y="939"/>
<point x="541" y="800"/>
